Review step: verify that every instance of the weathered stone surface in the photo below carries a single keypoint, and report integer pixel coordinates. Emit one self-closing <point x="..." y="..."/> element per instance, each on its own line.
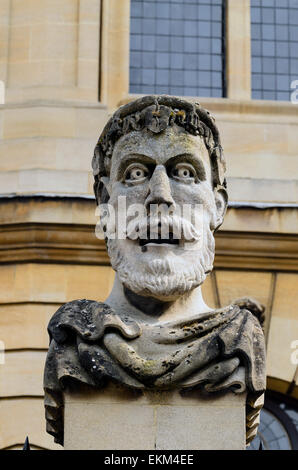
<point x="155" y="332"/>
<point x="118" y="418"/>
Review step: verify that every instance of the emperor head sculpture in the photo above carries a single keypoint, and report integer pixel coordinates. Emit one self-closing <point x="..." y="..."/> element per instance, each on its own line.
<point x="159" y="167"/>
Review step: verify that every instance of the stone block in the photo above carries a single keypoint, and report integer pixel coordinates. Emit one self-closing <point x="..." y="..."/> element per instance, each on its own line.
<point x="28" y="420"/>
<point x="22" y="373"/>
<point x="115" y="418"/>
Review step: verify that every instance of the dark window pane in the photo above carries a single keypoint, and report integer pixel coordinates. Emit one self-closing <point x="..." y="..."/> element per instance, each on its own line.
<point x="216" y="92"/>
<point x="190" y="12"/>
<point x="256" y="31"/>
<point x="269" y="65"/>
<point x="216" y="13"/>
<point x="162" y="26"/>
<point x="162" y="60"/>
<point x="268" y="48"/>
<point x="176" y="47"/>
<point x="216" y="46"/>
<point x="190" y="28"/>
<point x="216" y="30"/>
<point x="269" y="82"/>
<point x="268" y="3"/>
<point x="294" y="50"/>
<point x="177" y="27"/>
<point x="176" y="11"/>
<point x="267" y="15"/>
<point x="294" y="33"/>
<point x="149" y="10"/>
<point x="269" y="95"/>
<point x="135" y="42"/>
<point x="274" y="48"/>
<point x="216" y="62"/>
<point x="204" y="29"/>
<point x="294" y="65"/>
<point x="148" y="60"/>
<point x="205" y="13"/>
<point x="136" y="76"/>
<point x="136" y="26"/>
<point x="162" y="77"/>
<point x="256" y="15"/>
<point x="190" y="78"/>
<point x="268" y="31"/>
<point x="148" y="76"/>
<point x="256" y="64"/>
<point x="256" y="48"/>
<point x="163" y="10"/>
<point x="282" y="65"/>
<point x="177" y="43"/>
<point x="148" y="27"/>
<point x="257" y="82"/>
<point x="216" y="79"/>
<point x="204" y="45"/>
<point x="281" y="16"/>
<point x="294" y="17"/>
<point x="138" y="12"/>
<point x="283" y="82"/>
<point x="205" y="62"/>
<point x="162" y="43"/>
<point x="190" y="44"/>
<point x="136" y="59"/>
<point x="283" y="96"/>
<point x="257" y="95"/>
<point x="177" y="78"/>
<point x="282" y="32"/>
<point x="148" y="43"/>
<point x="176" y="61"/>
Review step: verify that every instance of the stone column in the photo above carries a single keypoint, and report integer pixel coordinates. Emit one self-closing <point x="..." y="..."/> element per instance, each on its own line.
<point x="115" y="52"/>
<point x="116" y="418"/>
<point x="238" y="55"/>
<point x="50" y="49"/>
<point x="50" y="64"/>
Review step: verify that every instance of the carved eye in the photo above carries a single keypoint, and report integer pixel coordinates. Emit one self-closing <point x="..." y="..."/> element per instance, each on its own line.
<point x="135" y="173"/>
<point x="184" y="171"/>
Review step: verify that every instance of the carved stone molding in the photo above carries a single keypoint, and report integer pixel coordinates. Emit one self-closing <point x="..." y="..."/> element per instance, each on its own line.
<point x="77" y="243"/>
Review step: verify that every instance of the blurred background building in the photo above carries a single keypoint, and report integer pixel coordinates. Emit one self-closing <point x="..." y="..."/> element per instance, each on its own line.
<point x="66" y="65"/>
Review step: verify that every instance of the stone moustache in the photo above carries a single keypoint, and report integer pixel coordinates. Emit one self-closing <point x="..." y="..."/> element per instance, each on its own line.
<point x="155" y="331"/>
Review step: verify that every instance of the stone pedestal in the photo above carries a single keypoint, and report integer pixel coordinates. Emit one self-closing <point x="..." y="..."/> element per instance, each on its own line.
<point x="115" y="418"/>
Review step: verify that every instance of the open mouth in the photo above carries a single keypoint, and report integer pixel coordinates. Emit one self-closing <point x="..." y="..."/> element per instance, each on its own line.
<point x="159" y="240"/>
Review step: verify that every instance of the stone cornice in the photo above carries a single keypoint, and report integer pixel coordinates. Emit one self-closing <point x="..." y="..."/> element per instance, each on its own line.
<point x="77" y="244"/>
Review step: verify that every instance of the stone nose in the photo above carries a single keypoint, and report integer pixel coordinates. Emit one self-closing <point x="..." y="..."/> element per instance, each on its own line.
<point x="159" y="189"/>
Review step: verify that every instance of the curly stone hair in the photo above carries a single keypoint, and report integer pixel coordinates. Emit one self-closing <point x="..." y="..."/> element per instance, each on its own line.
<point x="156" y="113"/>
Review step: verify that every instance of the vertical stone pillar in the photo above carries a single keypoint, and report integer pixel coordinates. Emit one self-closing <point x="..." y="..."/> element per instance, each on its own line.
<point x="49" y="49"/>
<point x="115" y="52"/>
<point x="51" y="119"/>
<point x="116" y="418"/>
<point x="238" y="53"/>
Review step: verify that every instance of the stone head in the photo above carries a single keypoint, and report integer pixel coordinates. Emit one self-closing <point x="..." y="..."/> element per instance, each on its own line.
<point x="159" y="160"/>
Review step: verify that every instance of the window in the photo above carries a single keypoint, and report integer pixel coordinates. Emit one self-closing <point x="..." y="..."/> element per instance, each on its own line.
<point x="274" y="44"/>
<point x="278" y="429"/>
<point x="176" y="47"/>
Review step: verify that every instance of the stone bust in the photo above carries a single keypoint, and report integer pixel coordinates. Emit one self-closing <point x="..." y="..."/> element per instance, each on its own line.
<point x="161" y="155"/>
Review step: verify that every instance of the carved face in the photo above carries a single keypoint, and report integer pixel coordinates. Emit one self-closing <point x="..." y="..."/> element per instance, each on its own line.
<point x="170" y="170"/>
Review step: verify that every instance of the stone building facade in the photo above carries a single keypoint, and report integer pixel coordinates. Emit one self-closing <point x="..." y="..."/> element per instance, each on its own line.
<point x="66" y="66"/>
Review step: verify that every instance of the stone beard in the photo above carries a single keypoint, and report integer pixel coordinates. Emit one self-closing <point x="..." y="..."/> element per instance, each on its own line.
<point x="155" y="331"/>
<point x="166" y="276"/>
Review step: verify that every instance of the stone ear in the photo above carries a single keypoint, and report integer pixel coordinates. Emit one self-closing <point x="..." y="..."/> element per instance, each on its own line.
<point x="221" y="202"/>
<point x="102" y="190"/>
<point x="105" y="180"/>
